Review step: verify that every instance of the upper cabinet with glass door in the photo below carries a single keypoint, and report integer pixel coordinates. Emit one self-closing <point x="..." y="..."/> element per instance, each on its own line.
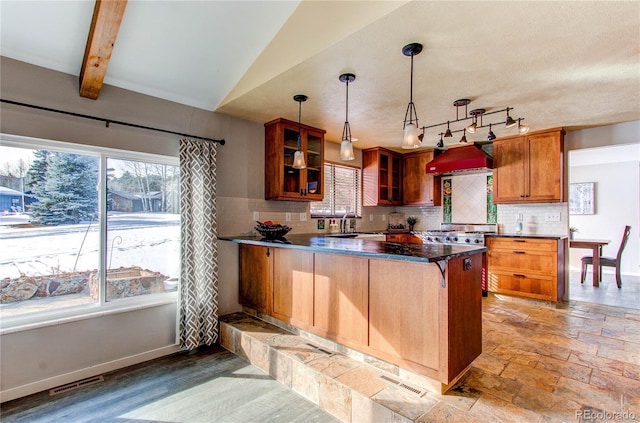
<point x="283" y="181"/>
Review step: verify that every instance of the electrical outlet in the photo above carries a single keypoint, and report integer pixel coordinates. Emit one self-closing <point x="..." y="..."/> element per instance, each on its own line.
<point x="371" y="217"/>
<point x="287" y="217"/>
<point x="552" y="217"/>
<point x="256" y="216"/>
<point x="303" y="217"/>
<point x="384" y="217"/>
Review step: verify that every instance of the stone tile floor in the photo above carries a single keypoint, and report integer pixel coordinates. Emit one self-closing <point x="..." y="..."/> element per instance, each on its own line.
<point x="580" y="362"/>
<point x="608" y="292"/>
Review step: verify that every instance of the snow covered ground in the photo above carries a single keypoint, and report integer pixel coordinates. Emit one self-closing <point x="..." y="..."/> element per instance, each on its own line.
<point x="148" y="240"/>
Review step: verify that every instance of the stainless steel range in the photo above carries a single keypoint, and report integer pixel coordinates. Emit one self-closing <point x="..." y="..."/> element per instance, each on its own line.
<point x="458" y="233"/>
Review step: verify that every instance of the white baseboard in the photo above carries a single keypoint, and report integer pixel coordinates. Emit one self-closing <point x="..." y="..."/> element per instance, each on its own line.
<point x="52" y="382"/>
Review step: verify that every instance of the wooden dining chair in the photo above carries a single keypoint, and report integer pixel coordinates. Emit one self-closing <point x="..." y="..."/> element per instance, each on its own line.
<point x="608" y="261"/>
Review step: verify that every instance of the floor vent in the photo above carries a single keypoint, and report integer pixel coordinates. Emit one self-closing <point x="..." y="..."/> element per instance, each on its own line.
<point x="397" y="382"/>
<point x="75" y="385"/>
<point x="322" y="350"/>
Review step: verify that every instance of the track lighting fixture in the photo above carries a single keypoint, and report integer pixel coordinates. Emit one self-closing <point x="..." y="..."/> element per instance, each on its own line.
<point x="475" y="124"/>
<point x="411" y="139"/>
<point x="298" y="156"/>
<point x="491" y="136"/>
<point x="509" y="122"/>
<point x="346" y="146"/>
<point x="523" y="129"/>
<point x="464" y="136"/>
<point x="448" y="134"/>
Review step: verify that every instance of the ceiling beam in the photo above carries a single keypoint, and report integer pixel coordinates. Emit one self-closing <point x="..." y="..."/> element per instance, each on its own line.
<point x="107" y="16"/>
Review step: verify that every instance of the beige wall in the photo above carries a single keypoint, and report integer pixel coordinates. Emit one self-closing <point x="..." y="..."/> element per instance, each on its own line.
<point x="53" y="350"/>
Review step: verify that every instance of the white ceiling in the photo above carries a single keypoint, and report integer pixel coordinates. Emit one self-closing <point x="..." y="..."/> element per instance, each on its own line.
<point x="571" y="64"/>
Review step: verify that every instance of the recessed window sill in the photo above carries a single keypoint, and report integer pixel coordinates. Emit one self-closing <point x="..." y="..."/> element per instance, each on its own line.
<point x="77" y="313"/>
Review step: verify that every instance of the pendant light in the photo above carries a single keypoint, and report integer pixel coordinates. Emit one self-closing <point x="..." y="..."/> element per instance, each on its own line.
<point x="298" y="156"/>
<point x="346" y="146"/>
<point x="410" y="139"/>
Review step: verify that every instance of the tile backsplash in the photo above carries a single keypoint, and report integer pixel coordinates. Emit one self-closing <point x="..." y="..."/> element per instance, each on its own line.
<point x="468" y="205"/>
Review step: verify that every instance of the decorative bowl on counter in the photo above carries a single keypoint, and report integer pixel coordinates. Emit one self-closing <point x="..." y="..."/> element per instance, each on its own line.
<point x="272" y="230"/>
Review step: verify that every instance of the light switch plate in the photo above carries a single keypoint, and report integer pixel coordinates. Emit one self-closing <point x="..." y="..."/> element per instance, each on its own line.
<point x="287" y="217"/>
<point x="303" y="217"/>
<point x="256" y="215"/>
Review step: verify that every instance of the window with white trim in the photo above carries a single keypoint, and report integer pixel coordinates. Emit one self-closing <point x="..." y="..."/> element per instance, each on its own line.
<point x="343" y="192"/>
<point x="89" y="226"/>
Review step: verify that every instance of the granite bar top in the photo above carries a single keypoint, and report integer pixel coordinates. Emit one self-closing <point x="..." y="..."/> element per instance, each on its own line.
<point x="427" y="253"/>
<point x="539" y="236"/>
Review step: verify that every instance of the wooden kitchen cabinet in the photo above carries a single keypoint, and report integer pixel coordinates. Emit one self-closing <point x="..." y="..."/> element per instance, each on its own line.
<point x="341" y="300"/>
<point x="293" y="286"/>
<point x="410" y="238"/>
<point x="418" y="187"/>
<point x="282" y="181"/>
<point x="256" y="277"/>
<point x="381" y="177"/>
<point x="529" y="168"/>
<point x="526" y="267"/>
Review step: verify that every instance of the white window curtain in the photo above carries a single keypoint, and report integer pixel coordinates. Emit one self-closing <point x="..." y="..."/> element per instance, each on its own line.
<point x="199" y="249"/>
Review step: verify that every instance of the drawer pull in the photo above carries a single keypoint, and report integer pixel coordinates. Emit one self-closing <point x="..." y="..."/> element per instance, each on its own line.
<point x="519" y="240"/>
<point x="519" y="275"/>
<point x="519" y="252"/>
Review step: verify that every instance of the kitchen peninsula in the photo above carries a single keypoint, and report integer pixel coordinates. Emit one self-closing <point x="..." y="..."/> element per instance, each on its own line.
<point x="417" y="306"/>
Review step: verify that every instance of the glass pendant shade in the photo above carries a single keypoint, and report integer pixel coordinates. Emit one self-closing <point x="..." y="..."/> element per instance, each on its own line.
<point x="411" y="139"/>
<point x="346" y="150"/>
<point x="298" y="160"/>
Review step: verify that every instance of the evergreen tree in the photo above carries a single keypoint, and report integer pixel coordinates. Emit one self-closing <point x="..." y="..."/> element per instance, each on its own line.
<point x="36" y="177"/>
<point x="67" y="193"/>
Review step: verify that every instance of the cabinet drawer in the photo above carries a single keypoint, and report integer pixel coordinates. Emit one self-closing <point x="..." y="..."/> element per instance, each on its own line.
<point x="413" y="239"/>
<point x="539" y="262"/>
<point x="528" y="244"/>
<point x="523" y="284"/>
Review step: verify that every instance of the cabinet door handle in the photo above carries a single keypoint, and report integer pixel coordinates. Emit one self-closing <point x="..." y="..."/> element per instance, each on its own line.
<point x="519" y="275"/>
<point x="268" y="253"/>
<point x="301" y="192"/>
<point x="518" y="252"/>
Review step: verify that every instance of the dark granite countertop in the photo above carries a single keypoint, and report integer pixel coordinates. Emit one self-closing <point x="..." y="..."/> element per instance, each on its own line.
<point x="540" y="236"/>
<point x="362" y="247"/>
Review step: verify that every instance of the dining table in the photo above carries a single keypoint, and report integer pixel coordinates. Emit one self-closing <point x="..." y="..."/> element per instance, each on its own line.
<point x="595" y="245"/>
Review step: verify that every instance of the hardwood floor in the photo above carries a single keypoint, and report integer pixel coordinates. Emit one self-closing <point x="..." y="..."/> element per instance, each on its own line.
<point x="210" y="385"/>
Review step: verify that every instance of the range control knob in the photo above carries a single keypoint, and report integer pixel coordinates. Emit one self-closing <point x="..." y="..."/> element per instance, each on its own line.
<point x="467" y="240"/>
<point x="429" y="238"/>
<point x="477" y="241"/>
<point x="436" y="239"/>
<point x="455" y="239"/>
